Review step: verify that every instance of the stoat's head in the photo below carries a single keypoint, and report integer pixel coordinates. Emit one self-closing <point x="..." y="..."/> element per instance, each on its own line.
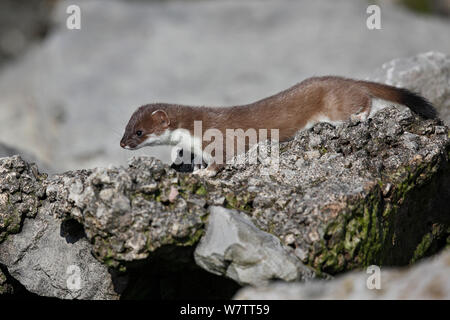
<point x="147" y="126"/>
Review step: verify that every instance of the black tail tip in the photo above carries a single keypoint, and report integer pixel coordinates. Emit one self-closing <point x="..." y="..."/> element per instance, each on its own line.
<point x="418" y="104"/>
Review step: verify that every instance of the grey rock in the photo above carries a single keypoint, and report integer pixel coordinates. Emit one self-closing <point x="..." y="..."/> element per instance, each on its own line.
<point x="234" y="247"/>
<point x="360" y="172"/>
<point x="426" y="73"/>
<point x="41" y="257"/>
<point x="47" y="264"/>
<point x="409" y="140"/>
<point x="128" y="213"/>
<point x="429" y="279"/>
<point x="125" y="214"/>
<point x="21" y="190"/>
<point x="361" y="199"/>
<point x="361" y="175"/>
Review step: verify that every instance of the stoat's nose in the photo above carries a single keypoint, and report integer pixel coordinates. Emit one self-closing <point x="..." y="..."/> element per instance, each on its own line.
<point x="122" y="144"/>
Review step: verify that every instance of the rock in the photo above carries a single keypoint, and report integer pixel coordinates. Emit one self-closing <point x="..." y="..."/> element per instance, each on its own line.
<point x="375" y="193"/>
<point x="42" y="257"/>
<point x="21" y="190"/>
<point x="189" y="52"/>
<point x="128" y="213"/>
<point x="429" y="279"/>
<point x="234" y="247"/>
<point x="359" y="201"/>
<point x="47" y="263"/>
<point x="426" y="73"/>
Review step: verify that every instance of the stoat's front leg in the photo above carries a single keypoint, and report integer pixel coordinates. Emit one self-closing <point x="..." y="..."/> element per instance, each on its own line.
<point x="212" y="167"/>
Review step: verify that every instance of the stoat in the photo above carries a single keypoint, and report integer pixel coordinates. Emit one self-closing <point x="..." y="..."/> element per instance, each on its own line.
<point x="319" y="99"/>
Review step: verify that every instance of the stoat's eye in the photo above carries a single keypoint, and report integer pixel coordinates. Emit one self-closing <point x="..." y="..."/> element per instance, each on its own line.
<point x="139" y="133"/>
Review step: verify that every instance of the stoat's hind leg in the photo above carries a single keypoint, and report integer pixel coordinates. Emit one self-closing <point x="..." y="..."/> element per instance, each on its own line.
<point x="360" y="116"/>
<point x="362" y="113"/>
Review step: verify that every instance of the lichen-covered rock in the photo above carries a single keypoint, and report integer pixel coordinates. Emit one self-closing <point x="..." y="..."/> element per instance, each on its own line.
<point x="362" y="193"/>
<point x="46" y="255"/>
<point x="373" y="192"/>
<point x="429" y="279"/>
<point x="365" y="193"/>
<point x="234" y="247"/>
<point x="21" y="192"/>
<point x="426" y="73"/>
<point x="128" y="213"/>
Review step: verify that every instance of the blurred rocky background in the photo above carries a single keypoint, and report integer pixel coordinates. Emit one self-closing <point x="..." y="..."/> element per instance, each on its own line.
<point x="66" y="95"/>
<point x="22" y="23"/>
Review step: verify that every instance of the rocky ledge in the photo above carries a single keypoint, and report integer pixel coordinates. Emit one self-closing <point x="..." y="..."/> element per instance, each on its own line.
<point x="341" y="198"/>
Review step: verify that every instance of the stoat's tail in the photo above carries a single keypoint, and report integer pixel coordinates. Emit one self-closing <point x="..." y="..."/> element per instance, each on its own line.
<point x="412" y="100"/>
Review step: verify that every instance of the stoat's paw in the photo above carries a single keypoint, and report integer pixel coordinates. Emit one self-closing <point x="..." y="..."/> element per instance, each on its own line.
<point x="205" y="173"/>
<point x="362" y="116"/>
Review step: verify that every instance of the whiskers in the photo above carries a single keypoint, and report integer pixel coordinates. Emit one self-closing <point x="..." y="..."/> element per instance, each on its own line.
<point x="116" y="133"/>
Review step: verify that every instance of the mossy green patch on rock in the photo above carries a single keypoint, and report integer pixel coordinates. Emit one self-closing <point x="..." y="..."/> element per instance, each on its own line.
<point x="239" y="201"/>
<point x="201" y="191"/>
<point x="354" y="239"/>
<point x="395" y="229"/>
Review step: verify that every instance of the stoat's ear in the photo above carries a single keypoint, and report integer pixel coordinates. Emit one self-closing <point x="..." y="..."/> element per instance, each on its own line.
<point x="161" y="118"/>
